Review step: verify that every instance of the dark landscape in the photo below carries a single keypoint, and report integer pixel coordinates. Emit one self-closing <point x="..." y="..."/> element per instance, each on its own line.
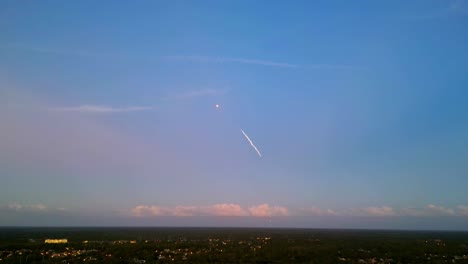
<point x="229" y="245"/>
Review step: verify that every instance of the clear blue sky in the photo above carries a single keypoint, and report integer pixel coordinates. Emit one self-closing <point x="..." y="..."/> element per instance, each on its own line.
<point x="359" y="109"/>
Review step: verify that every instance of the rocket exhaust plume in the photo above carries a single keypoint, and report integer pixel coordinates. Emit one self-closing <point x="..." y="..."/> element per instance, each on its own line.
<point x="251" y="143"/>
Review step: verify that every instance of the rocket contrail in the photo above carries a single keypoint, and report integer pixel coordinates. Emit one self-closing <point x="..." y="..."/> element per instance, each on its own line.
<point x="251" y="143"/>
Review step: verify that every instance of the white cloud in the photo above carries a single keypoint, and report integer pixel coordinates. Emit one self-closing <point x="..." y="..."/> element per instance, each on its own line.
<point x="101" y="109"/>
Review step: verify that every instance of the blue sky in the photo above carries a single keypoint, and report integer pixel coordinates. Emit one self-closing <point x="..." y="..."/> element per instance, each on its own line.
<point x="359" y="109"/>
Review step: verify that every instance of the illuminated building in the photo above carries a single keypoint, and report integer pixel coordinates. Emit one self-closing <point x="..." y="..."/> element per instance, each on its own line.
<point x="56" y="241"/>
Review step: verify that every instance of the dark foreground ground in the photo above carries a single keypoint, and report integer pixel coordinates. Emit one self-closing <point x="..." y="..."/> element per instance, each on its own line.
<point x="230" y="245"/>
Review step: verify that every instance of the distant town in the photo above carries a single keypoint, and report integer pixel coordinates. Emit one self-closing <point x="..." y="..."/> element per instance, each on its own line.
<point x="229" y="245"/>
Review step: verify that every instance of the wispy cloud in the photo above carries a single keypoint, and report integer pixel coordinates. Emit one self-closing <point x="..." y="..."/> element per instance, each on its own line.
<point x="192" y="58"/>
<point x="101" y="109"/>
<point x="221" y="209"/>
<point x="209" y="59"/>
<point x="30" y="207"/>
<point x="451" y="8"/>
<point x="213" y="59"/>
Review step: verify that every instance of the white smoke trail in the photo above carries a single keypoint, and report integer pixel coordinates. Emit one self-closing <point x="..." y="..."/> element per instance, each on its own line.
<point x="251" y="143"/>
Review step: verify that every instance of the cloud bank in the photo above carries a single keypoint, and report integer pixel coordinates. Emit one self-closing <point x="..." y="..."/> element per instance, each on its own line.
<point x="266" y="210"/>
<point x="234" y="215"/>
<point x="221" y="209"/>
<point x="386" y="211"/>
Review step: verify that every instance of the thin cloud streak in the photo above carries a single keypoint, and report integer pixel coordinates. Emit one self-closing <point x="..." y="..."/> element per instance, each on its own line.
<point x="88" y="108"/>
<point x="101" y="109"/>
<point x="57" y="51"/>
<point x="213" y="59"/>
<point x="194" y="58"/>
